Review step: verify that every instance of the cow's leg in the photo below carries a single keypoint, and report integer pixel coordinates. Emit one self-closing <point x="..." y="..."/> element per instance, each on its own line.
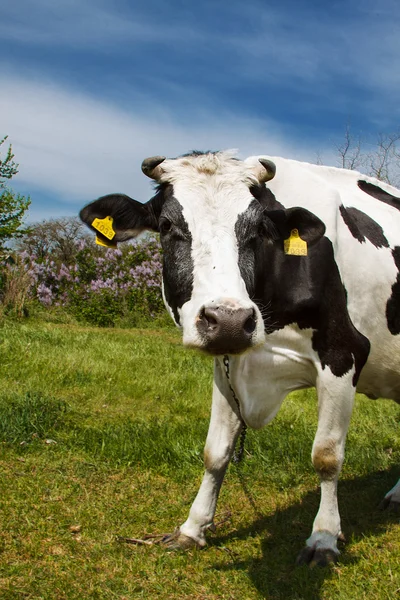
<point x="223" y="432"/>
<point x="335" y="403"/>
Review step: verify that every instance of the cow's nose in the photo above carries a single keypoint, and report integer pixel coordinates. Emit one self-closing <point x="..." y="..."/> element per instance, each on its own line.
<point x="237" y="320"/>
<point x="226" y="330"/>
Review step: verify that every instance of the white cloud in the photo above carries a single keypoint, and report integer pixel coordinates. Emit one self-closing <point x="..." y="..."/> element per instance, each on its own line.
<point x="78" y="148"/>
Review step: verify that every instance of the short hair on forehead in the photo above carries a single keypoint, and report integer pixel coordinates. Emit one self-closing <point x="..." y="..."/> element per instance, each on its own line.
<point x="207" y="163"/>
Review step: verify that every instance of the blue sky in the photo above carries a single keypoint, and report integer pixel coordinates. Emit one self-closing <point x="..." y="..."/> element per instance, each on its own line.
<point x="88" y="88"/>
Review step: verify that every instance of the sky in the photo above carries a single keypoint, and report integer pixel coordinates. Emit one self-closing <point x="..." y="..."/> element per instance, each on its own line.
<point x="89" y="88"/>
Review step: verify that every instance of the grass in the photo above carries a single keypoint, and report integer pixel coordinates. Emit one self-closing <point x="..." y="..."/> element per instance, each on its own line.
<point x="101" y="434"/>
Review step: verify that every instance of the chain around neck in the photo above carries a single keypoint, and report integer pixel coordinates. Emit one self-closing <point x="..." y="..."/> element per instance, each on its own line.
<point x="237" y="455"/>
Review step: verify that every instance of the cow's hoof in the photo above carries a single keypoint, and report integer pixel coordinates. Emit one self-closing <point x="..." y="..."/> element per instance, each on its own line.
<point x="317" y="557"/>
<point x="392" y="499"/>
<point x="179" y="541"/>
<point x="388" y="503"/>
<point x="321" y="549"/>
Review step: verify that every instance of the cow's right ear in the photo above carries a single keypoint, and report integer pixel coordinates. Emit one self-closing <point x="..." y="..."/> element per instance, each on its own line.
<point x="308" y="225"/>
<point x="116" y="217"/>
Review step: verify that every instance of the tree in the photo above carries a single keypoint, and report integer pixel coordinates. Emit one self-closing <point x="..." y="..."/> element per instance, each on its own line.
<point x="350" y="156"/>
<point x="384" y="162"/>
<point x="13" y="206"/>
<point x="381" y="159"/>
<point x="55" y="238"/>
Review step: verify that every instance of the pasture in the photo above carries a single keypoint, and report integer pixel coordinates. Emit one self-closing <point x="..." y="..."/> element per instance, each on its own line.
<point x="101" y="435"/>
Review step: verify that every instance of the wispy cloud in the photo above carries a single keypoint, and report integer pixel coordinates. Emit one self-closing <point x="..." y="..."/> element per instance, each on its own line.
<point x="78" y="148"/>
<point x="90" y="87"/>
<point x="94" y="24"/>
<point x="329" y="48"/>
<point x="296" y="42"/>
<point x="344" y="56"/>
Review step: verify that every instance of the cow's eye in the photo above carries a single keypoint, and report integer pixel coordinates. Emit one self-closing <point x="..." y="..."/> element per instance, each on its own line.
<point x="165" y="225"/>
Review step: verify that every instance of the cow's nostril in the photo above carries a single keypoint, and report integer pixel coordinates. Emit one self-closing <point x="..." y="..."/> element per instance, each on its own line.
<point x="249" y="325"/>
<point x="211" y="322"/>
<point x="208" y="317"/>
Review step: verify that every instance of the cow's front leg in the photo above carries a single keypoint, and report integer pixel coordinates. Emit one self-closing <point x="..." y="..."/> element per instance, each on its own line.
<point x="335" y="403"/>
<point x="223" y="432"/>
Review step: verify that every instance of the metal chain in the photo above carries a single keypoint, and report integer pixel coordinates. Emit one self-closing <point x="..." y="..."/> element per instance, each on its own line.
<point x="237" y="456"/>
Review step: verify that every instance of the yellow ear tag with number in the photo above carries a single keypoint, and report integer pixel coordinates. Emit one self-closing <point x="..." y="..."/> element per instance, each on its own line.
<point x="294" y="245"/>
<point x="105" y="227"/>
<point x="101" y="242"/>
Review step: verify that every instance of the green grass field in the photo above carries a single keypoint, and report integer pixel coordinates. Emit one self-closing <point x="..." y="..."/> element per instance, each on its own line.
<point x="101" y="435"/>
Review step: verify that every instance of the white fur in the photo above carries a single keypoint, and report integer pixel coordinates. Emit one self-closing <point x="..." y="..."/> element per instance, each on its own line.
<point x="222" y="434"/>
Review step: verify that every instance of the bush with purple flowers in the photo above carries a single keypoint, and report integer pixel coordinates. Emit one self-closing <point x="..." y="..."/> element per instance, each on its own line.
<point x="101" y="286"/>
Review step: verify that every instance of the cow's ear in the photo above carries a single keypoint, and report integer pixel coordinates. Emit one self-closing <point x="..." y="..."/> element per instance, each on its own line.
<point x="309" y="226"/>
<point x="117" y="217"/>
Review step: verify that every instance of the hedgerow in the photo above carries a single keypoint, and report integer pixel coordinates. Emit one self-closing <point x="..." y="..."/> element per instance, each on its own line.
<point x="100" y="286"/>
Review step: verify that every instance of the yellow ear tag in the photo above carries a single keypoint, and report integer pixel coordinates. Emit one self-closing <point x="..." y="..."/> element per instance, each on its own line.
<point x="105" y="227"/>
<point x="106" y="244"/>
<point x="295" y="245"/>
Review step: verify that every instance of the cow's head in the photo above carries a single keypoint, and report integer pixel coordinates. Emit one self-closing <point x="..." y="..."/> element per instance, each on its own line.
<point x="214" y="228"/>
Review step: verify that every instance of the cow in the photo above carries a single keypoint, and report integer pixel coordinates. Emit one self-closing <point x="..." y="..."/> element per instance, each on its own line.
<point x="288" y="273"/>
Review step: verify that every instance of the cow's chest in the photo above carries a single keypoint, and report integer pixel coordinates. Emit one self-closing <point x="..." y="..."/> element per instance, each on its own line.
<point x="263" y="377"/>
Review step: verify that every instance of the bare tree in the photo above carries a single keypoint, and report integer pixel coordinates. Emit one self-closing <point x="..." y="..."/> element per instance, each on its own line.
<point x="379" y="158"/>
<point x="384" y="160"/>
<point x="350" y="155"/>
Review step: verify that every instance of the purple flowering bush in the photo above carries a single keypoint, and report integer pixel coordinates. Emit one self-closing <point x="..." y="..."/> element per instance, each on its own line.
<point x="101" y="286"/>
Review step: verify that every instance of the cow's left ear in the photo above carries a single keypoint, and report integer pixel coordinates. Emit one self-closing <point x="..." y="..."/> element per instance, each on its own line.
<point x="310" y="227"/>
<point x="116" y="217"/>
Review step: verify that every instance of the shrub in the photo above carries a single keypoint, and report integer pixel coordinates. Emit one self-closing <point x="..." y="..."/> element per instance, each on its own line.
<point x="15" y="286"/>
<point x="100" y="286"/>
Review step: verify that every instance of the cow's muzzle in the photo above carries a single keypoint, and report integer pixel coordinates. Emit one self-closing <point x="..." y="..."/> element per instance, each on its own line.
<point x="226" y="330"/>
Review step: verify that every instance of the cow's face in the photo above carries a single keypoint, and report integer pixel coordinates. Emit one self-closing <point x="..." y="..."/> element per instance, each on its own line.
<point x="212" y="230"/>
<point x="210" y="227"/>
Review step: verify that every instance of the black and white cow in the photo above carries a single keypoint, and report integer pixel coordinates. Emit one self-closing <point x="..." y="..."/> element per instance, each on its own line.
<point x="326" y="316"/>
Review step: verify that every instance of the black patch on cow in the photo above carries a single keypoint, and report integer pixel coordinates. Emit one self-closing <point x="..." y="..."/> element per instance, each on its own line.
<point x="379" y="194"/>
<point x="393" y="304"/>
<point x="176" y="241"/>
<point x="196" y="153"/>
<point x="252" y="229"/>
<point x="363" y="227"/>
<point x="308" y="291"/>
